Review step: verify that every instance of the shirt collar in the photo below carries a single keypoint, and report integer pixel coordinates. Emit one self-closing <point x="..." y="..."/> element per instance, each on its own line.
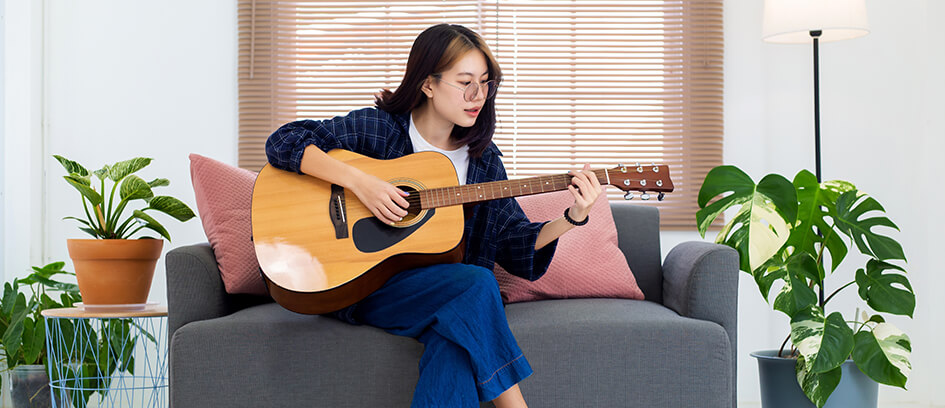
<point x="403" y="120"/>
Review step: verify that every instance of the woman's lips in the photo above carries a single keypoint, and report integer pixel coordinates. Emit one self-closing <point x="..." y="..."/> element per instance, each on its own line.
<point x="472" y="112"/>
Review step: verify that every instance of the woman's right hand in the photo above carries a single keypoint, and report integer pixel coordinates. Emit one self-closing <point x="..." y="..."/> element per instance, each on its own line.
<point x="385" y="201"/>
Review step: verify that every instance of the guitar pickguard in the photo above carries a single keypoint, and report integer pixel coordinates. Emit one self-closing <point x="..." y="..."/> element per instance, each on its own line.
<point x="372" y="235"/>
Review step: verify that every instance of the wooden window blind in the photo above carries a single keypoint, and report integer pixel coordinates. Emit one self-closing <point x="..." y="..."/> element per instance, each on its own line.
<point x="599" y="82"/>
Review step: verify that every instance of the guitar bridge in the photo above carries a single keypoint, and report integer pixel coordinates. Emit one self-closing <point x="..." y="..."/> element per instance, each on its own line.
<point x="337" y="211"/>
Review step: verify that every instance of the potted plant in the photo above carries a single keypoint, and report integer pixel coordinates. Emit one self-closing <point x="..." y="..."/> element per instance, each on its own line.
<point x="785" y="233"/>
<point x="24" y="345"/>
<point x="114" y="269"/>
<point x="23" y="330"/>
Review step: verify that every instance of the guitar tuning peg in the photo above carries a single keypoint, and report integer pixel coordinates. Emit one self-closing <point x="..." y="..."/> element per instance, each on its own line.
<point x="628" y="196"/>
<point x="660" y="196"/>
<point x="644" y="196"/>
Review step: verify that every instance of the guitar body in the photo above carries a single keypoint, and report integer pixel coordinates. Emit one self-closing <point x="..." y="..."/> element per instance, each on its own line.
<point x="320" y="249"/>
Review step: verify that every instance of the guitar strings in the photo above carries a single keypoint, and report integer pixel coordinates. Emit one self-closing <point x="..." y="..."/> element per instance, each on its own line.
<point x="414" y="200"/>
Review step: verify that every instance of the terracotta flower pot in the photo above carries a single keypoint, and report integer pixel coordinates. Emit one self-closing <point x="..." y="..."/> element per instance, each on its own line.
<point x="114" y="271"/>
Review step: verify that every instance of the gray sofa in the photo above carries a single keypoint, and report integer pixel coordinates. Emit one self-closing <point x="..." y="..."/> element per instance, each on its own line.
<point x="674" y="349"/>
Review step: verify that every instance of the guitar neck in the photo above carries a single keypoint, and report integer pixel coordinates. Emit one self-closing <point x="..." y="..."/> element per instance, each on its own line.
<point x="475" y="193"/>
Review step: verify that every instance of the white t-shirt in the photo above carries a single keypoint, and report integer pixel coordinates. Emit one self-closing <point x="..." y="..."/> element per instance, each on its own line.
<point x="459" y="157"/>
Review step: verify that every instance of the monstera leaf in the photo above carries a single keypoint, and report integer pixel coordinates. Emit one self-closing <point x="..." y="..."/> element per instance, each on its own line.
<point x="816" y="210"/>
<point x="817" y="386"/>
<point x="761" y="225"/>
<point x="796" y="295"/>
<point x="883" y="354"/>
<point x="825" y="342"/>
<point x="885" y="292"/>
<point x="852" y="208"/>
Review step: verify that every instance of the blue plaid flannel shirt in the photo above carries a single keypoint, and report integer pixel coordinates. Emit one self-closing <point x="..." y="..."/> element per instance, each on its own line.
<point x="497" y="232"/>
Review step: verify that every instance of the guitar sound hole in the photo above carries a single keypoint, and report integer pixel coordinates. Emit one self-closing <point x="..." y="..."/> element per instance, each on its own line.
<point x="413" y="211"/>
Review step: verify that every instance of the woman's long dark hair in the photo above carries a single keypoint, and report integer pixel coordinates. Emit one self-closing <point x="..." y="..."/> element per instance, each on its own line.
<point x="435" y="50"/>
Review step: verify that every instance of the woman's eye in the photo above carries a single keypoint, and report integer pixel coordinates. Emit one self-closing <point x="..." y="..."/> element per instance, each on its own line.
<point x="465" y="83"/>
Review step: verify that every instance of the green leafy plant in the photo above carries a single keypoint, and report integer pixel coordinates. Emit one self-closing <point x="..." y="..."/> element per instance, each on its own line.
<point x="23" y="330"/>
<point x="104" y="218"/>
<point x="21" y="321"/>
<point x="785" y="232"/>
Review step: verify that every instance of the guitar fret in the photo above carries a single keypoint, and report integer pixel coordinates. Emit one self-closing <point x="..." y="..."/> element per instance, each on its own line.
<point x="474" y="193"/>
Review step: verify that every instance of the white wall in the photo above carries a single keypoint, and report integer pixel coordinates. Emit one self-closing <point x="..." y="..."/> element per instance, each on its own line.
<point x="22" y="141"/>
<point x="132" y="79"/>
<point x="126" y="79"/>
<point x="3" y="9"/>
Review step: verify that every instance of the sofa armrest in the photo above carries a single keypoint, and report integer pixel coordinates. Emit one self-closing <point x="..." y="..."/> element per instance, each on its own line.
<point x="700" y="280"/>
<point x="195" y="290"/>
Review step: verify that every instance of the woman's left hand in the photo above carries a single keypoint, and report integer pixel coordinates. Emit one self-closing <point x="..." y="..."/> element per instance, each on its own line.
<point x="586" y="193"/>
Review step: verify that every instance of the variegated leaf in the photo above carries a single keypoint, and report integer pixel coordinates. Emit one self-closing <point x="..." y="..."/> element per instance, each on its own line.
<point x="883" y="354"/>
<point x="816" y="386"/>
<point x="85" y="188"/>
<point x="102" y="173"/>
<point x="796" y="295"/>
<point x="816" y="207"/>
<point x="71" y="166"/>
<point x="119" y="170"/>
<point x="152" y="224"/>
<point x="134" y="188"/>
<point x="825" y="343"/>
<point x="159" y="182"/>
<point x="761" y="225"/>
<point x="173" y="207"/>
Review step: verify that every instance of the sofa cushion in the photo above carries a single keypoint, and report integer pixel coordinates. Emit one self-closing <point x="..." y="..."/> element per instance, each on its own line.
<point x="224" y="196"/>
<point x="587" y="262"/>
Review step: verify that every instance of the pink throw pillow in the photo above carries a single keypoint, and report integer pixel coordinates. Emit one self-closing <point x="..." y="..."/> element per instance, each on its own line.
<point x="224" y="201"/>
<point x="587" y="262"/>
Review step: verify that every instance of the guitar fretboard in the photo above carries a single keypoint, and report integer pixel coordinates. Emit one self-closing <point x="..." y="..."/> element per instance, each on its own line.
<point x="473" y="193"/>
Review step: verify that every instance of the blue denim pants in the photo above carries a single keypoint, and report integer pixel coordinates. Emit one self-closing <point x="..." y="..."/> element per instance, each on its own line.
<point x="455" y="310"/>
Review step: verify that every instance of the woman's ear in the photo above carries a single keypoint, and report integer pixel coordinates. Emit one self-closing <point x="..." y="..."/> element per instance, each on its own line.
<point x="427" y="87"/>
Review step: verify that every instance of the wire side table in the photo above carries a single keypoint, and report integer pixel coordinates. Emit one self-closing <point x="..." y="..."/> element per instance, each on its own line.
<point x="120" y="356"/>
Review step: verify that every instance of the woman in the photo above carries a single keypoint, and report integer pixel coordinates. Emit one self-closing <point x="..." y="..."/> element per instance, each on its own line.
<point x="445" y="103"/>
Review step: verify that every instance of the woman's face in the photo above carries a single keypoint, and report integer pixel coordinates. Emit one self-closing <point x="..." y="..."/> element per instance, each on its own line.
<point x="446" y="93"/>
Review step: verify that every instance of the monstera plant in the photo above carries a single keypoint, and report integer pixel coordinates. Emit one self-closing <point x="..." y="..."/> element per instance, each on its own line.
<point x="793" y="236"/>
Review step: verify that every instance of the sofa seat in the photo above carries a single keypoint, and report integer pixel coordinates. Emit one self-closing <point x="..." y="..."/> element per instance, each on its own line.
<point x="674" y="349"/>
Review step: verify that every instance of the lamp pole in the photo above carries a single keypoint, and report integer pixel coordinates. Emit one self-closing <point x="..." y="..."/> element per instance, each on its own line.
<point x="815" y="34"/>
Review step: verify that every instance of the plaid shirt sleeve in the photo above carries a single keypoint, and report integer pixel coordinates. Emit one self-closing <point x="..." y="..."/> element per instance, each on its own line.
<point x="363" y="131"/>
<point x="515" y="238"/>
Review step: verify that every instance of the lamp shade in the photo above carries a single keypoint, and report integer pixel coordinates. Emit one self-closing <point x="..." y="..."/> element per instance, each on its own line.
<point x="791" y="21"/>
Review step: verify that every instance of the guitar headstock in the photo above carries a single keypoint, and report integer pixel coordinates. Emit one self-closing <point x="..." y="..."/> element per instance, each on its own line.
<point x="642" y="178"/>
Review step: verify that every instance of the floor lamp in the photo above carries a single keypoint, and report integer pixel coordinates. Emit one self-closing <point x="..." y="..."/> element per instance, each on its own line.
<point x="806" y="21"/>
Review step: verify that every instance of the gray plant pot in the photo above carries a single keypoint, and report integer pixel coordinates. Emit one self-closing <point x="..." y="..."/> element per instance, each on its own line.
<point x="30" y="387"/>
<point x="779" y="388"/>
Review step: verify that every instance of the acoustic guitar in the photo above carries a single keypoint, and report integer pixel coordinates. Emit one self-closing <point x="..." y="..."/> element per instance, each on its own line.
<point x="320" y="249"/>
